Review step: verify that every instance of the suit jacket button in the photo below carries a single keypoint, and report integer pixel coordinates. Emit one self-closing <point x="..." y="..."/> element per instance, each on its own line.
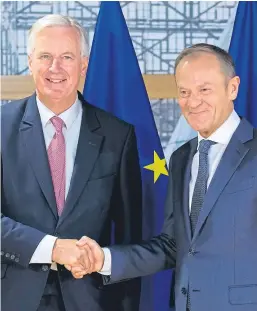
<point x="45" y="268"/>
<point x="191" y="252"/>
<point x="184" y="291"/>
<point x="7" y="255"/>
<point x="107" y="278"/>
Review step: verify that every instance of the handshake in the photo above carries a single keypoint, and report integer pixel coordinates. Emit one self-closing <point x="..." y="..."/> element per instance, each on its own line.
<point x="79" y="257"/>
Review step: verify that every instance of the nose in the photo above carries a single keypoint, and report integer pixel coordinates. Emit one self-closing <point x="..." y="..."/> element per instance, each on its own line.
<point x="55" y="65"/>
<point x="194" y="100"/>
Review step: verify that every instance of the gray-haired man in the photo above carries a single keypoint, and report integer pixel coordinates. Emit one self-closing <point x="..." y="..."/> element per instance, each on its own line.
<point x="68" y="169"/>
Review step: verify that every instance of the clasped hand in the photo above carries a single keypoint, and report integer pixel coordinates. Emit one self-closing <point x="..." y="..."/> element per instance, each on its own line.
<point x="80" y="257"/>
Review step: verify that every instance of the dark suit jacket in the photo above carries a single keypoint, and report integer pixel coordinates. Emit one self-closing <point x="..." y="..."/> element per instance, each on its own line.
<point x="218" y="264"/>
<point x="105" y="189"/>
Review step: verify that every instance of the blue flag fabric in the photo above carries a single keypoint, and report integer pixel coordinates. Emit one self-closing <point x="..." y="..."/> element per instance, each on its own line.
<point x="243" y="49"/>
<point x="114" y="83"/>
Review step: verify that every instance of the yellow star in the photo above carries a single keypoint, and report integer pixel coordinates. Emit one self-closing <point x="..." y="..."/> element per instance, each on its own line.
<point x="158" y="167"/>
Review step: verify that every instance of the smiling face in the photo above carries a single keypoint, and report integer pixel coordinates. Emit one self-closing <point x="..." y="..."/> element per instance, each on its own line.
<point x="56" y="65"/>
<point x="205" y="94"/>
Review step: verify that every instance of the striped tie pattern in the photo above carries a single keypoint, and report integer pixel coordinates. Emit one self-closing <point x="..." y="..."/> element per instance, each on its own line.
<point x="56" y="158"/>
<point x="199" y="190"/>
<point x="201" y="182"/>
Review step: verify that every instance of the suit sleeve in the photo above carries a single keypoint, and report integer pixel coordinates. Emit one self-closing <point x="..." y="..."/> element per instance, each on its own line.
<point x="18" y="240"/>
<point x="147" y="257"/>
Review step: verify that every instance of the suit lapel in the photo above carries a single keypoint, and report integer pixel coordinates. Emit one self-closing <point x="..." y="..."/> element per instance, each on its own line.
<point x="181" y="178"/>
<point x="34" y="145"/>
<point x="233" y="156"/>
<point x="187" y="178"/>
<point x="87" y="152"/>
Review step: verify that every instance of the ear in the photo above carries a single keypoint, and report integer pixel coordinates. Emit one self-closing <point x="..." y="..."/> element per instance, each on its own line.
<point x="30" y="64"/>
<point x="84" y="65"/>
<point x="233" y="87"/>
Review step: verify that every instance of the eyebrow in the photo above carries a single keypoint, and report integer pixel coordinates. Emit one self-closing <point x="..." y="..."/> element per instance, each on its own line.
<point x="183" y="88"/>
<point x="65" y="53"/>
<point x="201" y="85"/>
<point x="43" y="52"/>
<point x="70" y="53"/>
<point x="204" y="84"/>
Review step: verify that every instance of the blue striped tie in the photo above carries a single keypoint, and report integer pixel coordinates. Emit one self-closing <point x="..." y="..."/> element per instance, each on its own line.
<point x="201" y="182"/>
<point x="199" y="190"/>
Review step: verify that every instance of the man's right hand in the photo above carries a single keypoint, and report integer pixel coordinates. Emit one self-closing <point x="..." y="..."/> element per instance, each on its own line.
<point x="66" y="252"/>
<point x="95" y="255"/>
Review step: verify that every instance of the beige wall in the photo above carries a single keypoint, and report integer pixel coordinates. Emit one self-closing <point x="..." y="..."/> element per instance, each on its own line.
<point x="158" y="86"/>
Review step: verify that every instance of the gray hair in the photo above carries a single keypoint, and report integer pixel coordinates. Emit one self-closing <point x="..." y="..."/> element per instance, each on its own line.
<point x="226" y="61"/>
<point x="52" y="20"/>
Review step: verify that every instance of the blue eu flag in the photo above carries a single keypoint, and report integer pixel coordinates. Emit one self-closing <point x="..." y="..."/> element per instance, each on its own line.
<point x="114" y="83"/>
<point x="243" y="49"/>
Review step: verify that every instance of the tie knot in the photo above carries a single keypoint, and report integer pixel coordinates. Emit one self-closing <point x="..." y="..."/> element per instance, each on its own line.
<point x="57" y="123"/>
<point x="205" y="145"/>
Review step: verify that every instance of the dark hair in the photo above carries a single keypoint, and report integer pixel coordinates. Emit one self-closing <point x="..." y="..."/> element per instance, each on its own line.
<point x="226" y="61"/>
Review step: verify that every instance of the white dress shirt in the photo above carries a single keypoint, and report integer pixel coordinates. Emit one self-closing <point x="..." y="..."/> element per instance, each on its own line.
<point x="222" y="138"/>
<point x="72" y="119"/>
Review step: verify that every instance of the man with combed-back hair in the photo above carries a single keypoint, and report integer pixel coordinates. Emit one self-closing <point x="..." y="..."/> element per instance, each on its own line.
<point x="68" y="169"/>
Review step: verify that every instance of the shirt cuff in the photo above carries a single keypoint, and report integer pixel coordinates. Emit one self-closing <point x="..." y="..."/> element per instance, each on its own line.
<point x="43" y="252"/>
<point x="107" y="266"/>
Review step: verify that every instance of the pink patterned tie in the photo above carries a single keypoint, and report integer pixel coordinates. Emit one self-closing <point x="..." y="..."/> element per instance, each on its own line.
<point x="56" y="157"/>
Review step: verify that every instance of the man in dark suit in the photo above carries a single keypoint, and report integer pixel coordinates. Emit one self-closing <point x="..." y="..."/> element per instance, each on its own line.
<point x="210" y="227"/>
<point x="68" y="169"/>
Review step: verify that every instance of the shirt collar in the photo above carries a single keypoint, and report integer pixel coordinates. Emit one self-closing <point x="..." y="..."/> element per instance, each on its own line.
<point x="224" y="133"/>
<point x="68" y="116"/>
